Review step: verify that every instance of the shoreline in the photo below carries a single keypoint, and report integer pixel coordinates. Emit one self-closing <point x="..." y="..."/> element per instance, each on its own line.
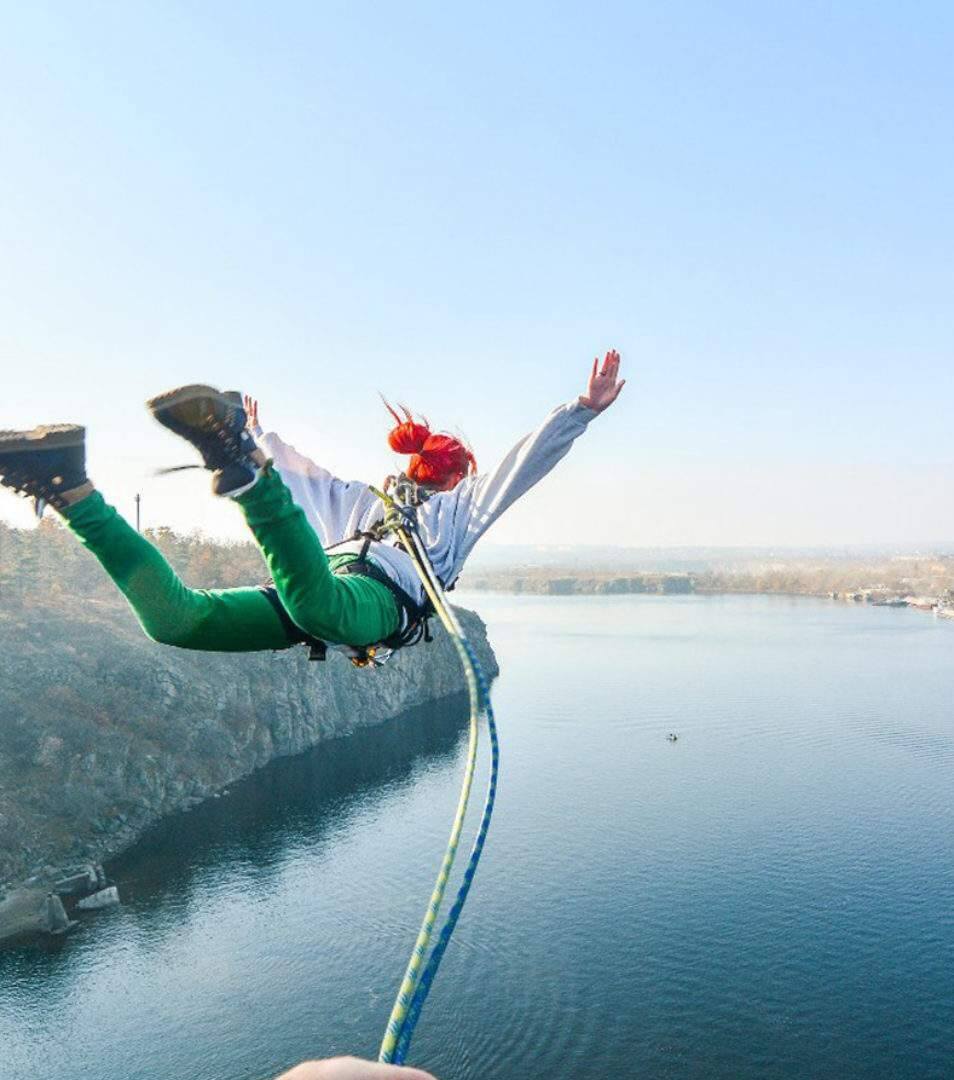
<point x="943" y="606"/>
<point x="110" y="734"/>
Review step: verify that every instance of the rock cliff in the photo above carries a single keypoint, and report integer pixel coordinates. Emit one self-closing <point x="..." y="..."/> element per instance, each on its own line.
<point x="103" y="732"/>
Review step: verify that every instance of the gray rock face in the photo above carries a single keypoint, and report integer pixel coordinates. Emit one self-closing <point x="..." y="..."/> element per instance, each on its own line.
<point x="105" y="898"/>
<point x="102" y="732"/>
<point x="31" y="910"/>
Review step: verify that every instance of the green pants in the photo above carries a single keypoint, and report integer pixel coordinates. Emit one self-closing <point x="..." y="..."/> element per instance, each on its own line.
<point x="350" y="609"/>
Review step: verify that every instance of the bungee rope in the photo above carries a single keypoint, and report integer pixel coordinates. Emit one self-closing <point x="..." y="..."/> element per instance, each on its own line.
<point x="416" y="983"/>
<point x="437" y="953"/>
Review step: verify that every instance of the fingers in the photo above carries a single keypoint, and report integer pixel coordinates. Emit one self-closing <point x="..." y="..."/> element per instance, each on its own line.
<point x="609" y="369"/>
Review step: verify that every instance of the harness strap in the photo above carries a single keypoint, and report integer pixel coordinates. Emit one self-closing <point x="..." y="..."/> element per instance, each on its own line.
<point x="414" y="622"/>
<point x="367" y="537"/>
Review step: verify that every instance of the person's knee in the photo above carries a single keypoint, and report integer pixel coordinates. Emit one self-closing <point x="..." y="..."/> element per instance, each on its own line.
<point x="178" y="632"/>
<point x="167" y="635"/>
<point x="168" y="615"/>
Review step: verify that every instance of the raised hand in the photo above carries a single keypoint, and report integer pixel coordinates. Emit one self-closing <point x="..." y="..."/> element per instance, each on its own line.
<point x="251" y="411"/>
<point x="604" y="387"/>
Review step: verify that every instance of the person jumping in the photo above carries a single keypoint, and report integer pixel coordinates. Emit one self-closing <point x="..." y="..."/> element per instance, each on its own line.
<point x="334" y="581"/>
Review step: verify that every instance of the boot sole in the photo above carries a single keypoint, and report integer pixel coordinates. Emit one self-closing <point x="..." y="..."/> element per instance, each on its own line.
<point x="44" y="437"/>
<point x="185" y="394"/>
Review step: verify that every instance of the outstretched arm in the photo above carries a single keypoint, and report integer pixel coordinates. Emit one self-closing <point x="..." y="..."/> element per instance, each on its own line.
<point x="481" y="500"/>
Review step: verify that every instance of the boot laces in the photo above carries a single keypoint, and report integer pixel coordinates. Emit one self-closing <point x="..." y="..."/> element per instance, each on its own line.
<point x="232" y="448"/>
<point x="43" y="492"/>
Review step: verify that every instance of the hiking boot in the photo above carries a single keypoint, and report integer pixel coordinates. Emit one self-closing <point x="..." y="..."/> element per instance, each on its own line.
<point x="43" y="463"/>
<point x="214" y="422"/>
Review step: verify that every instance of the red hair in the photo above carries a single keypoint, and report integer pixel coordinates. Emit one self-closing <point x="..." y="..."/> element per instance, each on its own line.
<point x="437" y="460"/>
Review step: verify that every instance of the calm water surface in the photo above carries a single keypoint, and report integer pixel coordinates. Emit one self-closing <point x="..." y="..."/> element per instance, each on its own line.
<point x="770" y="896"/>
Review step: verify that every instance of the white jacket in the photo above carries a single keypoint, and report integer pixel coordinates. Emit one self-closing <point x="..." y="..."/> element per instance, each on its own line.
<point x="449" y="522"/>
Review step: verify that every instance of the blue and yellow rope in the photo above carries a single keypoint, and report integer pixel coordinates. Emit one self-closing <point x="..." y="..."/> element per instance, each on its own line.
<point x="416" y="982"/>
<point x="437" y="953"/>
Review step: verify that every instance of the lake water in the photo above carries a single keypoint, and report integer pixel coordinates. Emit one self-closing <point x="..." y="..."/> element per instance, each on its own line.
<point x="770" y="896"/>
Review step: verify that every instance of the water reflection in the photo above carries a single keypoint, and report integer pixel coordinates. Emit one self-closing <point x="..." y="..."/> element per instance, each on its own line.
<point x="292" y="802"/>
<point x="263" y="822"/>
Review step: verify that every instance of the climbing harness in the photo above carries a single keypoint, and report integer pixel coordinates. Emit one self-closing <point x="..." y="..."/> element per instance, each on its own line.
<point x="418" y="977"/>
<point x="414" y="617"/>
<point x="413" y="623"/>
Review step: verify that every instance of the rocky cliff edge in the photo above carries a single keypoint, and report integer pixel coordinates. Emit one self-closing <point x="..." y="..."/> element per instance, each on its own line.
<point x="103" y="732"/>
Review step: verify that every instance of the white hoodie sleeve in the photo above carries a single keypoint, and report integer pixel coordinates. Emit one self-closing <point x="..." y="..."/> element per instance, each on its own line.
<point x="455" y="520"/>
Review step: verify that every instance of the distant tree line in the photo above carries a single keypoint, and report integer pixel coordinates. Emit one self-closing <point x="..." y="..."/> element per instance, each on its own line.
<point x="47" y="562"/>
<point x="927" y="576"/>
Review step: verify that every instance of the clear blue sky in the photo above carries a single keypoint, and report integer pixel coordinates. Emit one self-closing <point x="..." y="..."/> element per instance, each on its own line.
<point x="752" y="201"/>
